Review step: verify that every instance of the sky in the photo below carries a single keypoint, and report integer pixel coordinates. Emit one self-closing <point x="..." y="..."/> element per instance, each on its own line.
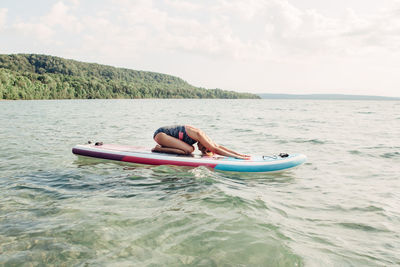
<point x="257" y="46"/>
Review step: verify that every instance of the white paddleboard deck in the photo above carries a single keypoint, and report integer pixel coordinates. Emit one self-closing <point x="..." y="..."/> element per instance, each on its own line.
<point x="145" y="156"/>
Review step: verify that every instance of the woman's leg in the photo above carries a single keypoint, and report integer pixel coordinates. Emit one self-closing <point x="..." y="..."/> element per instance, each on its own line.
<point x="171" y="144"/>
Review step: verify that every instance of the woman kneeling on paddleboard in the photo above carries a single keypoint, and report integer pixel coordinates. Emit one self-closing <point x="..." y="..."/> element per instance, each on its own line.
<point x="179" y="139"/>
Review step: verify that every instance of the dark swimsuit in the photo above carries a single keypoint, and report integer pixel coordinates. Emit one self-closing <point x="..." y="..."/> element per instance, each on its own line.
<point x="177" y="131"/>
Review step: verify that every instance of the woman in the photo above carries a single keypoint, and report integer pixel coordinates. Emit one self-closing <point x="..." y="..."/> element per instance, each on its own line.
<point x="179" y="139"/>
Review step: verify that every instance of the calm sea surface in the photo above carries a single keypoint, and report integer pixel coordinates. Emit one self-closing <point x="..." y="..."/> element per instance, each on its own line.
<point x="341" y="208"/>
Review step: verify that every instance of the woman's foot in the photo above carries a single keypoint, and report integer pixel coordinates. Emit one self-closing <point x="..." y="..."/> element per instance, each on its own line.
<point x="157" y="148"/>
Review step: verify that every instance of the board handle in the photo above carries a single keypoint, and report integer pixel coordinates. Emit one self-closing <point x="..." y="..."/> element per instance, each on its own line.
<point x="271" y="157"/>
<point x="282" y="155"/>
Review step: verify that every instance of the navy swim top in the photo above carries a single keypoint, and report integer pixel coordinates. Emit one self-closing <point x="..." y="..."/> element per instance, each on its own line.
<point x="177" y="131"/>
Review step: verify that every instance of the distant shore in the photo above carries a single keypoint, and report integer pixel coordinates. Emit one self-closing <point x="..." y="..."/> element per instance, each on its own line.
<point x="327" y="97"/>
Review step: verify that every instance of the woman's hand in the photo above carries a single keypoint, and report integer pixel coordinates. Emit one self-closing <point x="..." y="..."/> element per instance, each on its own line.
<point x="245" y="157"/>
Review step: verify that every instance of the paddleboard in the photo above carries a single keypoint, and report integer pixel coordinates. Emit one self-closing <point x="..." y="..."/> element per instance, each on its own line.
<point x="132" y="154"/>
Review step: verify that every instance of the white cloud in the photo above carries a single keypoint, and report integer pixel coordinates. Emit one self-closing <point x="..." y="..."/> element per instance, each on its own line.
<point x="74" y="3"/>
<point x="255" y="29"/>
<point x="45" y="28"/>
<point x="259" y="34"/>
<point x="211" y="36"/>
<point x="279" y="29"/>
<point x="3" y="16"/>
<point x="39" y="31"/>
<point x="60" y="15"/>
<point x="183" y="5"/>
<point x="379" y="31"/>
<point x="245" y="10"/>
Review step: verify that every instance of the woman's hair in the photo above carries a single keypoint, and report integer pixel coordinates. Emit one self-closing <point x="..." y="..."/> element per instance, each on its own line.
<point x="204" y="150"/>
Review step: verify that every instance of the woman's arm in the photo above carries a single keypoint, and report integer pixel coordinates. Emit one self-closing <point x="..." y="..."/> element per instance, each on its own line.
<point x="233" y="152"/>
<point x="206" y="141"/>
<point x="220" y="150"/>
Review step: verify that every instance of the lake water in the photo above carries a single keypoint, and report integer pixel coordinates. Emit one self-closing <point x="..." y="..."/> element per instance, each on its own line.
<point x="341" y="208"/>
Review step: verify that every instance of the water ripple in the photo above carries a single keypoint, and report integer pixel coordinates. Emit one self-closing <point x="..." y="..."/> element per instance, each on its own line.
<point x="340" y="208"/>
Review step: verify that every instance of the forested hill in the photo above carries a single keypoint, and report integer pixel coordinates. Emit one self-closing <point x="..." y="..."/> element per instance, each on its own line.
<point x="31" y="76"/>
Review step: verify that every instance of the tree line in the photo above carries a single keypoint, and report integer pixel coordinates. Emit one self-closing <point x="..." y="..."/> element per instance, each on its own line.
<point x="31" y="76"/>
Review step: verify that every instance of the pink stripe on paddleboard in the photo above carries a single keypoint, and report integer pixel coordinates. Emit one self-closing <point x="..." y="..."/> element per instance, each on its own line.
<point x="165" y="162"/>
